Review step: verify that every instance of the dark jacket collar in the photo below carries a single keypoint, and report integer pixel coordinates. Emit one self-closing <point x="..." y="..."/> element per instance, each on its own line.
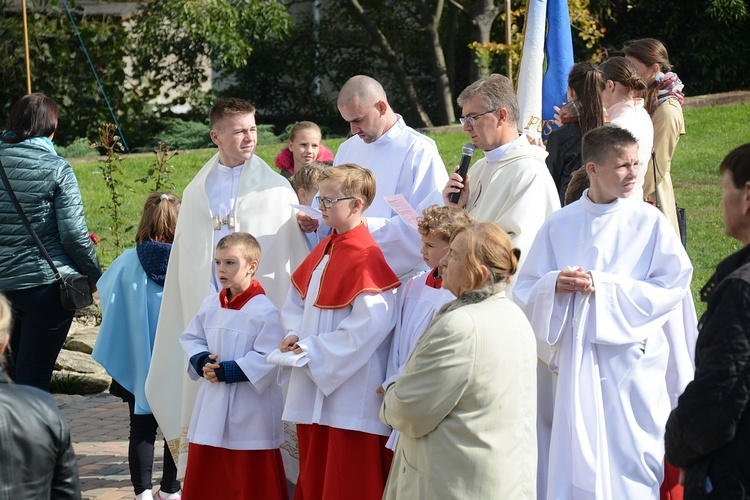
<point x="724" y="269"/>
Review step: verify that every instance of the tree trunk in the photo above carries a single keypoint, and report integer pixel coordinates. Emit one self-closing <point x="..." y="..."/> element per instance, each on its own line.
<point x="393" y="62"/>
<point x="450" y="48"/>
<point x="482" y="16"/>
<point x="431" y="23"/>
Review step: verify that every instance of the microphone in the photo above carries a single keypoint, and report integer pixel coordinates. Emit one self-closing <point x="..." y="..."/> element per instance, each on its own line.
<point x="467" y="152"/>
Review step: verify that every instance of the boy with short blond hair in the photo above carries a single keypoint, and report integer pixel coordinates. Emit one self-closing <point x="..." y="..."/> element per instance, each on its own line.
<point x="305" y="181"/>
<point x="236" y="429"/>
<point x="422" y="296"/>
<point x="340" y="312"/>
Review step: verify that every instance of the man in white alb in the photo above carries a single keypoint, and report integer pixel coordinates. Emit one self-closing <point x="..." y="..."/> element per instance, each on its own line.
<point x="404" y="162"/>
<point x="603" y="276"/>
<point x="234" y="191"/>
<point x="511" y="186"/>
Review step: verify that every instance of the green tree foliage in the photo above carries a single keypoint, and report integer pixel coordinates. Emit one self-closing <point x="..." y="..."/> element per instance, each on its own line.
<point x="180" y="134"/>
<point x="169" y="45"/>
<point x="59" y="68"/>
<point x="728" y="10"/>
<point x="588" y="32"/>
<point x="177" y="41"/>
<point x="711" y="56"/>
<point x="281" y="76"/>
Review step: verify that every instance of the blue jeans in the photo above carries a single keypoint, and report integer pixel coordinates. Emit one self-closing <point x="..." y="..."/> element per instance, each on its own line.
<point x="40" y="326"/>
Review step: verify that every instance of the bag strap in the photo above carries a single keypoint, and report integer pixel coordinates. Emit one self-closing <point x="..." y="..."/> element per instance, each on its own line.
<point x="26" y="223"/>
<point x="656" y="167"/>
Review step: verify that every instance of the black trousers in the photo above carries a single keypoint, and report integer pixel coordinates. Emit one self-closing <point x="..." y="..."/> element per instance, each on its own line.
<point x="40" y="326"/>
<point x="141" y="452"/>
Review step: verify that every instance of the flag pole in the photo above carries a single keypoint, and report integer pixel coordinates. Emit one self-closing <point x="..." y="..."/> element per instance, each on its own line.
<point x="26" y="47"/>
<point x="508" y="40"/>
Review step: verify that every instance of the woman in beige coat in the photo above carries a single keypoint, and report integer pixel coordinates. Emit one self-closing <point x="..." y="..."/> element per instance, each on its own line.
<point x="466" y="401"/>
<point x="664" y="99"/>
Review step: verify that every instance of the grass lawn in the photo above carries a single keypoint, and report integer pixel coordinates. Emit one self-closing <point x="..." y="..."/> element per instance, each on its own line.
<point x="711" y="134"/>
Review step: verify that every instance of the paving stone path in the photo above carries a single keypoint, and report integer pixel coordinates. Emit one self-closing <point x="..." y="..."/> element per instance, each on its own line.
<point x="99" y="428"/>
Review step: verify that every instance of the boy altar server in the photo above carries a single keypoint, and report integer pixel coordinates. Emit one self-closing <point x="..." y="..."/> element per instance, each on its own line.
<point x="236" y="430"/>
<point x="341" y="310"/>
<point x="602" y="277"/>
<point x="234" y="191"/>
<point x="423" y="295"/>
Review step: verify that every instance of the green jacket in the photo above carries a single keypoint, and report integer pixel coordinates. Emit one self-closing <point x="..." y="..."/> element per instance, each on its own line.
<point x="48" y="192"/>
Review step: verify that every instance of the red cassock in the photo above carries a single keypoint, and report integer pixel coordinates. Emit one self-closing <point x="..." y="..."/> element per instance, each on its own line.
<point x="246" y="474"/>
<point x="333" y="463"/>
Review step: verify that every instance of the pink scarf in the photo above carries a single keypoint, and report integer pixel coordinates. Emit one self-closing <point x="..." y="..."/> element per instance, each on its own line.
<point x="670" y="86"/>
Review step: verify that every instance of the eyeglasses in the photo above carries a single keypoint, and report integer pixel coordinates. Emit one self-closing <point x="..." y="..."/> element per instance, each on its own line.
<point x="472" y="120"/>
<point x="328" y="202"/>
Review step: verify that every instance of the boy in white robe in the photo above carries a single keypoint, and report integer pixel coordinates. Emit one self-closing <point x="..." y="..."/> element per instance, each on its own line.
<point x="236" y="429"/>
<point x="601" y="279"/>
<point x="422" y="296"/>
<point x="340" y="312"/>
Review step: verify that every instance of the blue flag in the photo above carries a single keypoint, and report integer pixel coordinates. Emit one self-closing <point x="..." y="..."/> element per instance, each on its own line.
<point x="558" y="49"/>
<point x="545" y="62"/>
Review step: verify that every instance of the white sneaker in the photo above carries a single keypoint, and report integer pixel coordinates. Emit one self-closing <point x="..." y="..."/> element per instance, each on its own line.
<point x="145" y="495"/>
<point x="168" y="496"/>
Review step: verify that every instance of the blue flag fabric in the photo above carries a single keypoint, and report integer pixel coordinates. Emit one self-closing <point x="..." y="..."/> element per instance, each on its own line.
<point x="545" y="62"/>
<point x="558" y="50"/>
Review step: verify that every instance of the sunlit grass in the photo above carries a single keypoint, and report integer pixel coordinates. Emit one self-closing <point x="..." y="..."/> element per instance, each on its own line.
<point x="711" y="134"/>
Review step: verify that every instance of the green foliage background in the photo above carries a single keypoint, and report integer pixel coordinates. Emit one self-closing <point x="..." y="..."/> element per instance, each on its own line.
<point x="708" y="45"/>
<point x="273" y="60"/>
<point x="60" y="69"/>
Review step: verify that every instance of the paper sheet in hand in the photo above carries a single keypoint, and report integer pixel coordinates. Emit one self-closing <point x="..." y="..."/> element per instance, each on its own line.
<point x="308" y="210"/>
<point x="402" y="208"/>
<point x="287" y="358"/>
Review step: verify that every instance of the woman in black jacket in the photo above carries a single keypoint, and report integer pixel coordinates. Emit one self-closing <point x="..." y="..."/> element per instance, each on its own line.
<point x="36" y="453"/>
<point x="48" y="193"/>
<point x="708" y="434"/>
<point x="583" y="112"/>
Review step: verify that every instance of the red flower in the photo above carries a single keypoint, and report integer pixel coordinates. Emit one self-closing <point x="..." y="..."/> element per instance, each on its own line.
<point x="94" y="238"/>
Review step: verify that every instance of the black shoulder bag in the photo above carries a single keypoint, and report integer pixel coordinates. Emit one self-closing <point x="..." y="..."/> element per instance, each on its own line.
<point x="75" y="291"/>
<point x="681" y="215"/>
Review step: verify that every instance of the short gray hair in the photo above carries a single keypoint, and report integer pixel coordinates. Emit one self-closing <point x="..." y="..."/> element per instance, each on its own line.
<point x="497" y="92"/>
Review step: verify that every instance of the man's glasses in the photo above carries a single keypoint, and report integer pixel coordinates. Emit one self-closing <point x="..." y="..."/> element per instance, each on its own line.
<point x="328" y="202"/>
<point x="472" y="120"/>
